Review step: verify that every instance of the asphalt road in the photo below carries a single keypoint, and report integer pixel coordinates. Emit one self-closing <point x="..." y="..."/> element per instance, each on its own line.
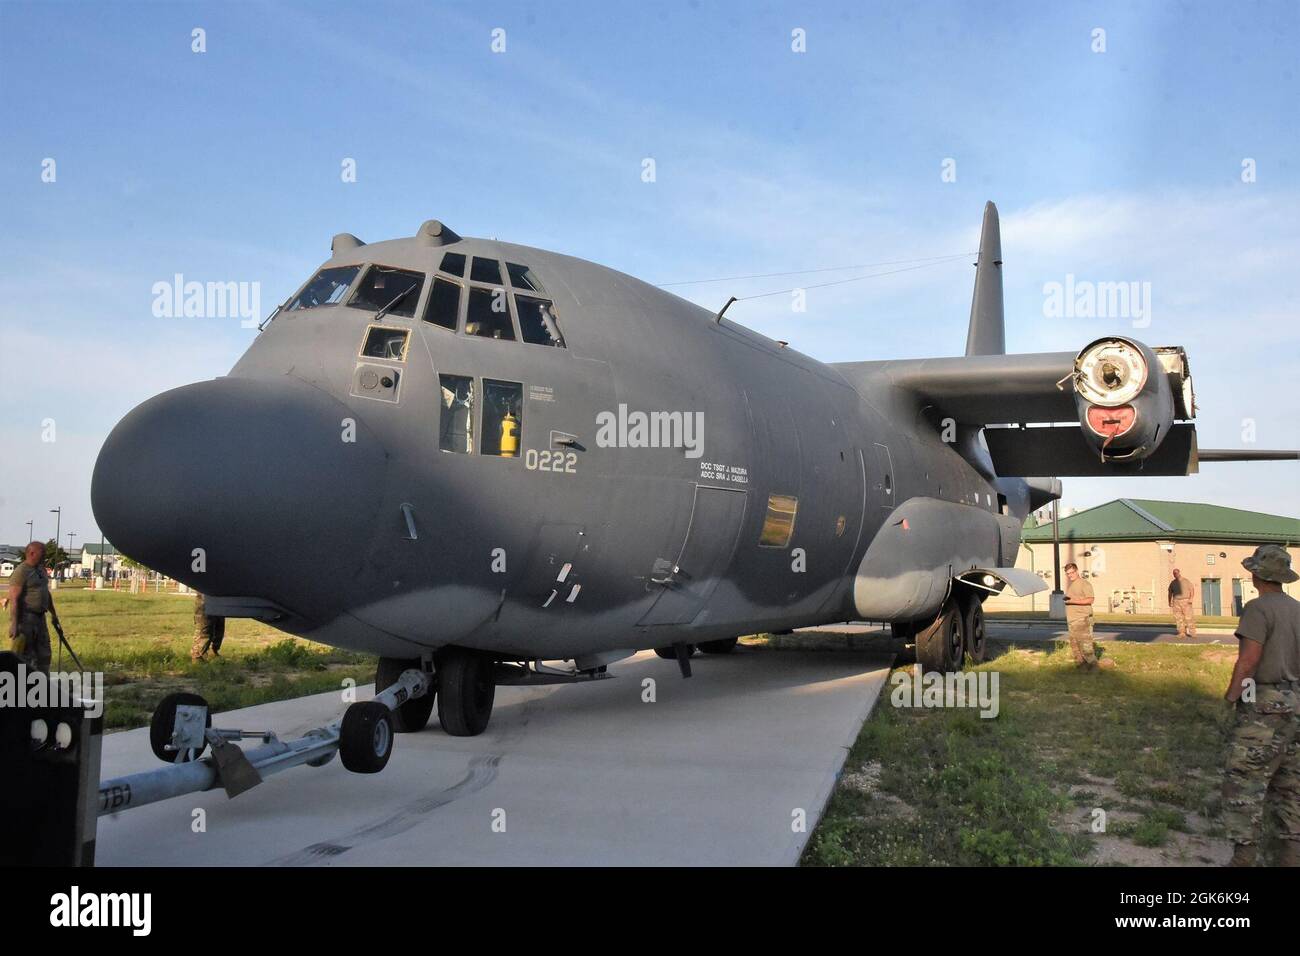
<point x="719" y="769"/>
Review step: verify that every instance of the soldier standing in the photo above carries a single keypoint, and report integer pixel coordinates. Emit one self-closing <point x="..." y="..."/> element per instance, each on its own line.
<point x="29" y="600"/>
<point x="1181" y="593"/>
<point x="1263" y="765"/>
<point x="1078" y="616"/>
<point x="208" y="631"/>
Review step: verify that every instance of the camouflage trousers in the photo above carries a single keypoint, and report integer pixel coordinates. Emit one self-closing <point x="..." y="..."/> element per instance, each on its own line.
<point x="209" y="632"/>
<point x="1263" y="766"/>
<point x="32" y="645"/>
<point x="1081" y="641"/>
<point x="1184" y="617"/>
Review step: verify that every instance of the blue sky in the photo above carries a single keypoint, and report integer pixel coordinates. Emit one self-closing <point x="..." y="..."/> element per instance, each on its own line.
<point x="225" y="165"/>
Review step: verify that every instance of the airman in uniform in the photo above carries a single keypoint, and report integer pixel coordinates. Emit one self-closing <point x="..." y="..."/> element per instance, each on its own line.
<point x="1078" y="616"/>
<point x="209" y="632"/>
<point x="1263" y="765"/>
<point x="1181" y="592"/>
<point x="29" y="601"/>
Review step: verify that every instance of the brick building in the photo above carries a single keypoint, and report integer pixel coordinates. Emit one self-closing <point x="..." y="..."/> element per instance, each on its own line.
<point x="1128" y="549"/>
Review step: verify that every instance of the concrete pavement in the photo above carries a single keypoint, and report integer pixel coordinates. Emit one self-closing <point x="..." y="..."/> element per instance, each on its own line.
<point x="717" y="770"/>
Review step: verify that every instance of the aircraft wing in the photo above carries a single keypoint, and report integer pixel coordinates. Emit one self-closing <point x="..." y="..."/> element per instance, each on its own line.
<point x="1116" y="408"/>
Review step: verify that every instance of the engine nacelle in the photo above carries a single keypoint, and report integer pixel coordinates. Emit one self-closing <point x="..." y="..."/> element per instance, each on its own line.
<point x="1128" y="395"/>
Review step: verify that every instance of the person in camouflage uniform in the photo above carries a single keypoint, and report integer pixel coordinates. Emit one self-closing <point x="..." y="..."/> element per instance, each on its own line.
<point x="29" y="601"/>
<point x="209" y="632"/>
<point x="1263" y="766"/>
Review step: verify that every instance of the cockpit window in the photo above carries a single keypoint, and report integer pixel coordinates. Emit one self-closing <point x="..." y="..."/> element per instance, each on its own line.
<point x="488" y="315"/>
<point x="522" y="277"/>
<point x="386" y="342"/>
<point x="444" y="304"/>
<point x="537" y="322"/>
<point x="485" y="270"/>
<point x="453" y="263"/>
<point x="503" y="418"/>
<point x="456" y="428"/>
<point x="396" y="291"/>
<point x="328" y="287"/>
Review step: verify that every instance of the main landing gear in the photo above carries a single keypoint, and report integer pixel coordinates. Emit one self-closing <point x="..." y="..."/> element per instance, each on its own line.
<point x="464" y="690"/>
<point x="956" y="634"/>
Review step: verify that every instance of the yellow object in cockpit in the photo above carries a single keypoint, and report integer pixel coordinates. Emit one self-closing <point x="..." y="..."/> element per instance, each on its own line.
<point x="509" y="436"/>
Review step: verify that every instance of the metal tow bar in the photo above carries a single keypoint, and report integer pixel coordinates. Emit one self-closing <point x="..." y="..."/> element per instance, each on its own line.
<point x="364" y="736"/>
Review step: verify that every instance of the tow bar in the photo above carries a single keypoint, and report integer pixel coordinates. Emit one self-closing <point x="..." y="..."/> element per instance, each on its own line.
<point x="363" y="738"/>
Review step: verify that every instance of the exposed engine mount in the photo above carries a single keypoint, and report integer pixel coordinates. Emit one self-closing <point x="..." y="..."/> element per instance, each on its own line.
<point x="1128" y="395"/>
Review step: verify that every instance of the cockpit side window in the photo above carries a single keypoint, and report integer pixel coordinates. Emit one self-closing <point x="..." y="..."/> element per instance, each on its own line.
<point x="394" y="290"/>
<point x="443" y="308"/>
<point x="485" y="270"/>
<point x="503" y="418"/>
<point x="456" y="426"/>
<point x="488" y="315"/>
<point x="538" y="324"/>
<point x="327" y="287"/>
<point x="522" y="277"/>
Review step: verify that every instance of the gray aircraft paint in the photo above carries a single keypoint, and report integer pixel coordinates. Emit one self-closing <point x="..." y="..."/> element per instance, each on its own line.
<point x="311" y="533"/>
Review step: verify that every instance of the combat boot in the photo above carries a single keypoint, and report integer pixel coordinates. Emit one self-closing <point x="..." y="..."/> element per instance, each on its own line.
<point x="1288" y="853"/>
<point x="1244" y="854"/>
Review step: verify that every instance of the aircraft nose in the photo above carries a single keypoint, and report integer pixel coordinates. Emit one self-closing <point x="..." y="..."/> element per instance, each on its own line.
<point x="241" y="487"/>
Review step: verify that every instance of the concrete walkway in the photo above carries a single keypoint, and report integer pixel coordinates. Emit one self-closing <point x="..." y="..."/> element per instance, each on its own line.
<point x="1031" y="631"/>
<point x="718" y="770"/>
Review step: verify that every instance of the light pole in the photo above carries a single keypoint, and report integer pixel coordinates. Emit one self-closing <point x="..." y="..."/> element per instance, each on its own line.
<point x="71" y="535"/>
<point x="29" y="530"/>
<point x="58" y="522"/>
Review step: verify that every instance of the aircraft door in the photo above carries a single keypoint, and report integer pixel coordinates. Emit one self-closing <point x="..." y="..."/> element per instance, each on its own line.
<point x="704" y="558"/>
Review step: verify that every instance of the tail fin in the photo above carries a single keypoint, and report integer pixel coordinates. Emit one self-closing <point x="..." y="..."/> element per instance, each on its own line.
<point x="987" y="335"/>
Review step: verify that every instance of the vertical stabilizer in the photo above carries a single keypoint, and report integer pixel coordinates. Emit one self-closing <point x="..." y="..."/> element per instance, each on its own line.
<point x="987" y="335"/>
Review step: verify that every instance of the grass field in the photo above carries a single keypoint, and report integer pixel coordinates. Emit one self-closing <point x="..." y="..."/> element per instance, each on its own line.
<point x="1142" y="742"/>
<point x="141" y="642"/>
<point x="1205" y="620"/>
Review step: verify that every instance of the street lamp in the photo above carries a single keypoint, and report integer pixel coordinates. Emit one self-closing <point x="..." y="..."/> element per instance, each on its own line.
<point x="29" y="531"/>
<point x="57" y="525"/>
<point x="71" y="535"/>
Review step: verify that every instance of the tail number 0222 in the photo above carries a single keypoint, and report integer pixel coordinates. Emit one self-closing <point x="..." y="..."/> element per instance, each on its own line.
<point x="562" y="462"/>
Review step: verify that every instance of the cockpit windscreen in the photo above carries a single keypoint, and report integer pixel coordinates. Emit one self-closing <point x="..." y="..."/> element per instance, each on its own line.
<point x="327" y="288"/>
<point x="395" y="291"/>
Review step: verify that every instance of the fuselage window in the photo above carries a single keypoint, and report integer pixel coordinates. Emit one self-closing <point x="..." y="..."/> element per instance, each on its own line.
<point x="522" y="277"/>
<point x="386" y="342"/>
<point x="537" y="322"/>
<point x="444" y="304"/>
<point x="488" y="315"/>
<point x="327" y="287"/>
<point x="485" y="270"/>
<point x="395" y="291"/>
<point x="778" y="526"/>
<point x="456" y="427"/>
<point x="453" y="263"/>
<point x="503" y="418"/>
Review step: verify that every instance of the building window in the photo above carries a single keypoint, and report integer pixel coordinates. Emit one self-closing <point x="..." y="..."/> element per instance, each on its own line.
<point x="456" y="426"/>
<point x="503" y="418"/>
<point x="444" y="304"/>
<point x="385" y="342"/>
<point x="778" y="526"/>
<point x="1209" y="559"/>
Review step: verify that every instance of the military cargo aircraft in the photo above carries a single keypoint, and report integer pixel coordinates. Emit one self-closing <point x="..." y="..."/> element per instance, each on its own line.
<point x="472" y="457"/>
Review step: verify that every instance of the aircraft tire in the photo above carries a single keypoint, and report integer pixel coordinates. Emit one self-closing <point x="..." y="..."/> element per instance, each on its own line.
<point x="163" y="723"/>
<point x="414" y="714"/>
<point x="724" y="646"/>
<point x="466" y="690"/>
<point x="977" y="644"/>
<point x="366" y="737"/>
<point x="941" y="645"/>
<point x="669" y="653"/>
<point x="902" y="630"/>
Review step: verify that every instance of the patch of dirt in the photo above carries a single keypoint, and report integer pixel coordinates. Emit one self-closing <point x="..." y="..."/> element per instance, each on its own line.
<point x="866" y="781"/>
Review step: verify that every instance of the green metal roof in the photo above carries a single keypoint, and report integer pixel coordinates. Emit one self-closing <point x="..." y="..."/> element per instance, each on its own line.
<point x="1139" y="519"/>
